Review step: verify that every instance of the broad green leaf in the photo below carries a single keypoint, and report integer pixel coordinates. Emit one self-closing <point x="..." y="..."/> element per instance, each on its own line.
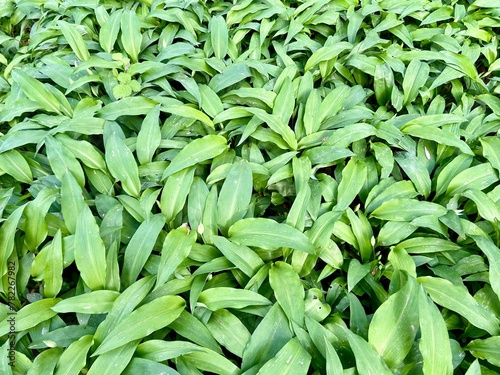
<point x="175" y="192"/>
<point x="394" y="325"/>
<point x="62" y="160"/>
<point x="108" y="32"/>
<point x="75" y="40"/>
<point x="45" y="362"/>
<point x="114" y="361"/>
<point x="326" y="53"/>
<point x="139" y="248"/>
<point x="291" y="359"/>
<point x="457" y="299"/>
<point x="288" y="290"/>
<point x="13" y="163"/>
<point x="434" y="342"/>
<point x="37" y="92"/>
<point x="453" y="168"/>
<point x="188" y="326"/>
<point x="417" y="172"/>
<point x="277" y="125"/>
<point x="491" y="151"/>
<point x="478" y="177"/>
<point x="120" y="160"/>
<point x="368" y="361"/>
<point x="488" y="349"/>
<point x="53" y="275"/>
<point x="90" y="254"/>
<point x="123" y="306"/>
<point x="176" y="248"/>
<point x="229" y="331"/>
<point x="160" y="350"/>
<point x="407" y="210"/>
<point x="145" y="366"/>
<point x="73" y="359"/>
<point x="71" y="200"/>
<point x="440" y="136"/>
<point x="353" y="178"/>
<point x="225" y="297"/>
<point x="130" y="106"/>
<point x="235" y="195"/>
<point x="147" y="319"/>
<point x="149" y="137"/>
<point x="219" y="36"/>
<point x="195" y="152"/>
<point x="31" y="315"/>
<point x="492" y="252"/>
<point x="208" y="360"/>
<point x="231" y="75"/>
<point x="35" y="225"/>
<point x="240" y="255"/>
<point x="268" y="234"/>
<point x="415" y="77"/>
<point x="97" y="302"/>
<point x="131" y="36"/>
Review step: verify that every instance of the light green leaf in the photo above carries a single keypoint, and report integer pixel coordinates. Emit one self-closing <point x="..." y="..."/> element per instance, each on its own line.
<point x="197" y="151"/>
<point x="147" y="319"/>
<point x="90" y="254"/>
<point x="225" y="297"/>
<point x="131" y="36"/>
<point x="73" y="359"/>
<point x="75" y="40"/>
<point x="434" y="342"/>
<point x="458" y="299"/>
<point x="268" y="234"/>
<point x="394" y="325"/>
<point x="291" y="359"/>
<point x="97" y="302"/>
<point x="219" y="36"/>
<point x="235" y="195"/>
<point x="288" y="290"/>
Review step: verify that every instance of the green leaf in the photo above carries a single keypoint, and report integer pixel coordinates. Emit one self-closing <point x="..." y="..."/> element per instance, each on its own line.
<point x="175" y="192"/>
<point x="149" y="137"/>
<point x="491" y="151"/>
<point x="288" y="290"/>
<point x="268" y="234"/>
<point x="478" y="177"/>
<point x="120" y="160"/>
<point x="147" y="319"/>
<point x="407" y="210"/>
<point x="492" y="252"/>
<point x="244" y="258"/>
<point x="434" y="342"/>
<point x="219" y="36"/>
<point x="12" y="162"/>
<point x="90" y="254"/>
<point x="197" y="151"/>
<point x="353" y="178"/>
<point x="97" y="302"/>
<point x="75" y="40"/>
<point x="131" y="36"/>
<point x="31" y="315"/>
<point x="134" y="105"/>
<point x="62" y="160"/>
<point x="114" y="361"/>
<point x="368" y="361"/>
<point x="229" y="331"/>
<point x="53" y="274"/>
<point x="235" y="195"/>
<point x="458" y="299"/>
<point x="415" y="77"/>
<point x="488" y="349"/>
<point x="45" y="362"/>
<point x="139" y="248"/>
<point x="394" y="325"/>
<point x="176" y="248"/>
<point x="37" y="92"/>
<point x="73" y="360"/>
<point x="291" y="359"/>
<point x="108" y="32"/>
<point x="225" y="297"/>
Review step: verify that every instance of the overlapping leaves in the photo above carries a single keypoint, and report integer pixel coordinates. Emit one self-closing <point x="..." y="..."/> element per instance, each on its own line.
<point x="250" y="187"/>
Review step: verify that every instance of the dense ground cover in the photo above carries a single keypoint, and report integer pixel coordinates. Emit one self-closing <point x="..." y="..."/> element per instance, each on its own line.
<point x="249" y="187"/>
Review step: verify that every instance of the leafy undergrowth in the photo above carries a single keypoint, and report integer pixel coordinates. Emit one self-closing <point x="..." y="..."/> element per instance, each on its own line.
<point x="257" y="187"/>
